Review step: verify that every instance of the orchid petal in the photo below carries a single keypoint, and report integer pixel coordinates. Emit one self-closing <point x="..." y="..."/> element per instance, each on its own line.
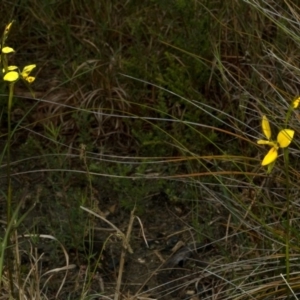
<point x="10" y="68"/>
<point x="270" y="157"/>
<point x="30" y="79"/>
<point x="26" y="71"/>
<point x="269" y="143"/>
<point x="7" y="27"/>
<point x="7" y="50"/>
<point x="285" y="137"/>
<point x="11" y="76"/>
<point x="266" y="127"/>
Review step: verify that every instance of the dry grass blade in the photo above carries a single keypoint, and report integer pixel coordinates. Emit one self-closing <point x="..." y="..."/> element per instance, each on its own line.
<point x="123" y="254"/>
<point x="119" y="232"/>
<point x="65" y="268"/>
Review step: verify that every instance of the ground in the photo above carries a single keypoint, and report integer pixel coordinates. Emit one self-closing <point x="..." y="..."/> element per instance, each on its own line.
<point x="168" y="258"/>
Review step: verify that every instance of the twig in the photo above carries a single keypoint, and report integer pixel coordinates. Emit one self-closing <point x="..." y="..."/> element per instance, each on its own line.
<point x="123" y="253"/>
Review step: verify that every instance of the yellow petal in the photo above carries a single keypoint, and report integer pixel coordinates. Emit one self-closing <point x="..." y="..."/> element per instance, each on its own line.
<point x="7" y="50"/>
<point x="30" y="79"/>
<point x="296" y="103"/>
<point x="269" y="143"/>
<point x="270" y="157"/>
<point x="7" y="27"/>
<point x="285" y="137"/>
<point x="266" y="127"/>
<point x="10" y="68"/>
<point x="26" y="71"/>
<point x="11" y="76"/>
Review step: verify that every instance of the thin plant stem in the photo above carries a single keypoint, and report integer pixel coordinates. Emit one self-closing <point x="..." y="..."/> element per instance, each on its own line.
<point x="287" y="233"/>
<point x="9" y="191"/>
<point x="8" y="171"/>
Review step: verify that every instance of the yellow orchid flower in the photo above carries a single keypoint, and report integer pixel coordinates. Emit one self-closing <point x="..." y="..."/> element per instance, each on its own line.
<point x="13" y="75"/>
<point x="26" y="71"/>
<point x="284" y="139"/>
<point x="296" y="103"/>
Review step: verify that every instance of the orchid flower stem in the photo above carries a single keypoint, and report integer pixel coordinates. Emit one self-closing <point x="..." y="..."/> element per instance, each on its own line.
<point x="288" y="231"/>
<point x="10" y="99"/>
<point x="9" y="192"/>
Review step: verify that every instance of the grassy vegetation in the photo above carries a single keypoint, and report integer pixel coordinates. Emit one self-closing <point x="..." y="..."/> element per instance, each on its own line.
<point x="144" y="102"/>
